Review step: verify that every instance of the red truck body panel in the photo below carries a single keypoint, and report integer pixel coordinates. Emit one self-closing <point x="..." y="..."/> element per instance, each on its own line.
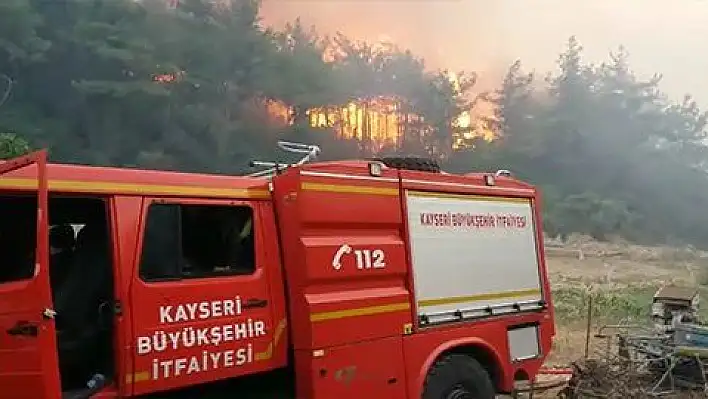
<point x="330" y="309"/>
<point x="28" y="361"/>
<point x="353" y="330"/>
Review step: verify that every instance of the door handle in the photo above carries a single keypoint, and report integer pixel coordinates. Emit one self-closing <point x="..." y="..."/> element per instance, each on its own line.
<point x="255" y="303"/>
<point x="24" y="328"/>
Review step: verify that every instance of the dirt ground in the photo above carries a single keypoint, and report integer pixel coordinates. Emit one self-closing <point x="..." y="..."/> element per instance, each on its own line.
<point x="609" y="275"/>
<point x="624" y="276"/>
<point x="622" y="270"/>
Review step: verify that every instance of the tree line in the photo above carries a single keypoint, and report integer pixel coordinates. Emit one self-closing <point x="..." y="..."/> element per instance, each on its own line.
<point x="194" y="87"/>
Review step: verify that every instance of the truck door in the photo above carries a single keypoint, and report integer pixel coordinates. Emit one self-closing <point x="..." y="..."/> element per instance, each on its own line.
<point x="28" y="360"/>
<point x="201" y="304"/>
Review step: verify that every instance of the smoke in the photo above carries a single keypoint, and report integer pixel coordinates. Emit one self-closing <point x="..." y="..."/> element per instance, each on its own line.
<point x="486" y="36"/>
<point x="414" y="24"/>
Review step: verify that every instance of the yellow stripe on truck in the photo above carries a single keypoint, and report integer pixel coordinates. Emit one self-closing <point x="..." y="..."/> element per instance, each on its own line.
<point x="470" y="197"/>
<point x="356" y="312"/>
<point x="344" y="189"/>
<point x="130" y="188"/>
<point x="139" y="376"/>
<point x="480" y="297"/>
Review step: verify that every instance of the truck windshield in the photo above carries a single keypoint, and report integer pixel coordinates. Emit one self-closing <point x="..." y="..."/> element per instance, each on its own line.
<point x="18" y="235"/>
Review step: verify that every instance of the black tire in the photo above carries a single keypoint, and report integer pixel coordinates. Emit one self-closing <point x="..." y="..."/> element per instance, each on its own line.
<point x="458" y="376"/>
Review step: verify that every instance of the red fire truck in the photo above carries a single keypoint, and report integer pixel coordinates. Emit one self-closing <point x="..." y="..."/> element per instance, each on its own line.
<point x="381" y="278"/>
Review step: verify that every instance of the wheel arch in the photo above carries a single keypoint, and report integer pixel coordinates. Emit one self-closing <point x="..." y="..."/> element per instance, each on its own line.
<point x="476" y="348"/>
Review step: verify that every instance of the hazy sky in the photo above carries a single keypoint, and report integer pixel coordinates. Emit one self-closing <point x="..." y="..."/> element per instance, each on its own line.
<point x="666" y="36"/>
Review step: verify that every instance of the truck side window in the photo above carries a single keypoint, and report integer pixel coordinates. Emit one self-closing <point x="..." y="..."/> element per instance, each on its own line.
<point x="18" y="237"/>
<point x="197" y="241"/>
<point x="161" y="243"/>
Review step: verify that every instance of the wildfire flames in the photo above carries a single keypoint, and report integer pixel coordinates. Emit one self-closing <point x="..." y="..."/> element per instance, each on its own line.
<point x="379" y="120"/>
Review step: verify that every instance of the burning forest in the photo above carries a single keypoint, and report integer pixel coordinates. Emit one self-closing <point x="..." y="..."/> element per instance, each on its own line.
<point x="187" y="85"/>
<point x="385" y="113"/>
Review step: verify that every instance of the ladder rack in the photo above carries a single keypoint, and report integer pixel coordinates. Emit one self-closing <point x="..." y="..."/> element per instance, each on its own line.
<point x="311" y="152"/>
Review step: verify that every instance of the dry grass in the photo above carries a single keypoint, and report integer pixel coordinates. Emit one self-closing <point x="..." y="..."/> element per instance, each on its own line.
<point x="568" y="346"/>
<point x="621" y="278"/>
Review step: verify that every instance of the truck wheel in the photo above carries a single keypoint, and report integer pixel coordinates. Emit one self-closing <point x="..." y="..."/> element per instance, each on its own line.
<point x="458" y="377"/>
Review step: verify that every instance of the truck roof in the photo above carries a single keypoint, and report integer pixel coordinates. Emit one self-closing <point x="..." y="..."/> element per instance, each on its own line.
<point x="112" y="180"/>
<point x="467" y="180"/>
<point x="72" y="178"/>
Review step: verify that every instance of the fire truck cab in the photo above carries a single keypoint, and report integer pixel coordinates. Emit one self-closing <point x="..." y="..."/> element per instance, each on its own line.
<point x="370" y="278"/>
